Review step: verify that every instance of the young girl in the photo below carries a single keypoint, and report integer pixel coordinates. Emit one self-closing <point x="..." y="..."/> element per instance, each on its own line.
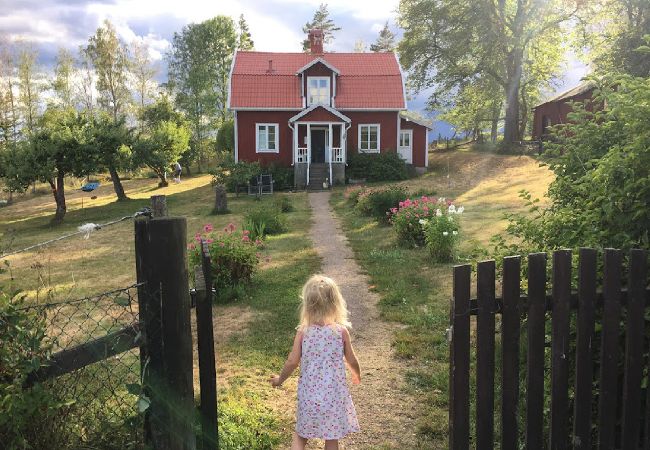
<point x="325" y="408"/>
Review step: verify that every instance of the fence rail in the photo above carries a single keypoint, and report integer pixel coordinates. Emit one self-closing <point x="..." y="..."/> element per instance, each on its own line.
<point x="585" y="405"/>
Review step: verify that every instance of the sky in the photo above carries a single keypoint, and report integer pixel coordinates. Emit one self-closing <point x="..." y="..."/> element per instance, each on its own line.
<point x="275" y="25"/>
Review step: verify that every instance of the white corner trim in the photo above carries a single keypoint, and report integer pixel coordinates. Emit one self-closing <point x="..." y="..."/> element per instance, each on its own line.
<point x="401" y="71"/>
<point x="232" y="68"/>
<point x="426" y="147"/>
<point x="316" y="61"/>
<point x="236" y="140"/>
<point x="378" y="137"/>
<point x="399" y="128"/>
<point x="277" y="137"/>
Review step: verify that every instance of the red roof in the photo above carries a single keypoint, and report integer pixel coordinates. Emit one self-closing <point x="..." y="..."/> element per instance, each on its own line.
<point x="366" y="80"/>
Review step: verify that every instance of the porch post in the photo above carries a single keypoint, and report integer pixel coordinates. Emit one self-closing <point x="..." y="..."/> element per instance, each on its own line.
<point x="308" y="149"/>
<point x="295" y="142"/>
<point x="342" y="130"/>
<point x="331" y="142"/>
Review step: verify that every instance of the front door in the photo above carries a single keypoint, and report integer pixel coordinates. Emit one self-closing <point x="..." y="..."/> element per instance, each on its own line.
<point x="406" y="145"/>
<point x="318" y="146"/>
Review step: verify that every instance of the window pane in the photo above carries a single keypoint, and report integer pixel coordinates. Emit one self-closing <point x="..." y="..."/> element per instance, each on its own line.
<point x="271" y="137"/>
<point x="261" y="137"/>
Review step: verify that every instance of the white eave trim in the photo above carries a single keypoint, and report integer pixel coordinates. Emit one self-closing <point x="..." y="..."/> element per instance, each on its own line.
<point x="329" y="109"/>
<point x="403" y="79"/>
<point x="232" y="68"/>
<point x="316" y="61"/>
<point x="422" y="123"/>
<point x="255" y="108"/>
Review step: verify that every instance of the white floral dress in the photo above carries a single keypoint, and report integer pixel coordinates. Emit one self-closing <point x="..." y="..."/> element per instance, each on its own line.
<point x="325" y="408"/>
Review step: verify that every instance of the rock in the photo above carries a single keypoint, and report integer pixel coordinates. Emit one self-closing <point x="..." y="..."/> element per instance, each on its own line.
<point x="220" y="200"/>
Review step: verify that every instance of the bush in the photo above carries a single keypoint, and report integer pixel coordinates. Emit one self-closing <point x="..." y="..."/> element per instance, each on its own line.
<point x="234" y="257"/>
<point x="282" y="177"/>
<point x="408" y="218"/>
<point x="23" y="412"/>
<point x="441" y="234"/>
<point x="226" y="137"/>
<point x="283" y="204"/>
<point x="266" y="218"/>
<point x="352" y="193"/>
<point x="232" y="174"/>
<point x="378" y="202"/>
<point x="387" y="166"/>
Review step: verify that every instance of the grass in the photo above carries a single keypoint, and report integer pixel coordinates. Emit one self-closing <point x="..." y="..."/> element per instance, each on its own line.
<point x="77" y="267"/>
<point x="416" y="292"/>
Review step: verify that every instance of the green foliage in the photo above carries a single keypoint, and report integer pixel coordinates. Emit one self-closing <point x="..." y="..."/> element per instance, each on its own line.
<point x="282" y="177"/>
<point x="267" y="218"/>
<point x="234" y="256"/>
<point x="601" y="192"/>
<point x="226" y="137"/>
<point x="385" y="41"/>
<point x="164" y="140"/>
<point x="441" y="236"/>
<point x="283" y="203"/>
<point x="387" y="166"/>
<point x="232" y="174"/>
<point x="323" y="22"/>
<point x="22" y="352"/>
<point x="378" y="202"/>
<point x="244" y="40"/>
<point x="409" y="216"/>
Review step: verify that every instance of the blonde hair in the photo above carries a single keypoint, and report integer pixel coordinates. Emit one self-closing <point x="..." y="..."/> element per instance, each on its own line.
<point x="322" y="302"/>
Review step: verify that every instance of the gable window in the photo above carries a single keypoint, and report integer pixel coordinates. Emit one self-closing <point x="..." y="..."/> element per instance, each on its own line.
<point x="266" y="140"/>
<point x="318" y="91"/>
<point x="369" y="138"/>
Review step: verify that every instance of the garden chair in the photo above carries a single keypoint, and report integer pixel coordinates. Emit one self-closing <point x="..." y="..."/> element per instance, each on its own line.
<point x="89" y="187"/>
<point x="266" y="184"/>
<point x="254" y="186"/>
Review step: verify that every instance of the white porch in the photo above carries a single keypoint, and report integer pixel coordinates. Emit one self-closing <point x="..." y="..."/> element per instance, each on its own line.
<point x="319" y="148"/>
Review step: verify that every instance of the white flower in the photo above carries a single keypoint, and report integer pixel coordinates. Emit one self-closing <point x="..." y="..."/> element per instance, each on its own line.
<point x="455" y="233"/>
<point x="460" y="210"/>
<point x="445" y="233"/>
<point x="452" y="209"/>
<point x="441" y="200"/>
<point x="422" y="222"/>
<point x="449" y="218"/>
<point x="438" y="212"/>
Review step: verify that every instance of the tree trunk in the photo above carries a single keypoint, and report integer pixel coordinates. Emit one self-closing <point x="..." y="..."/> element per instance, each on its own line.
<point x="494" y="132"/>
<point x="117" y="184"/>
<point x="162" y="174"/>
<point x="188" y="170"/>
<point x="58" y="191"/>
<point x="511" y="126"/>
<point x="524" y="117"/>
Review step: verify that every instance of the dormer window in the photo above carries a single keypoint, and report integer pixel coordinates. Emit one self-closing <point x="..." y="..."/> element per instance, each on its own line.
<point x="318" y="91"/>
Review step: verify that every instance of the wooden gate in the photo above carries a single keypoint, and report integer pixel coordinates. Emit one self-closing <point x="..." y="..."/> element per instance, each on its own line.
<point x="599" y="395"/>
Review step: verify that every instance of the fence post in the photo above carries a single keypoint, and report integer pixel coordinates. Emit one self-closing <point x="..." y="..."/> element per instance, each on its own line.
<point x="159" y="206"/>
<point x="207" y="367"/>
<point x="485" y="355"/>
<point x="510" y="330"/>
<point x="161" y="262"/>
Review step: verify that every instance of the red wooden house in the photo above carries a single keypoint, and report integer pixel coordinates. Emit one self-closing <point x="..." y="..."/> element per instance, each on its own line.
<point x="555" y="110"/>
<point x="311" y="110"/>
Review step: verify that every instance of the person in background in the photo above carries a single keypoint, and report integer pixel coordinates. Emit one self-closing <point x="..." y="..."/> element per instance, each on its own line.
<point x="177" y="172"/>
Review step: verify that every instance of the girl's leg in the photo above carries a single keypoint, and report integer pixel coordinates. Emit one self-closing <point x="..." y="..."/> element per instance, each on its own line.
<point x="332" y="445"/>
<point x="298" y="443"/>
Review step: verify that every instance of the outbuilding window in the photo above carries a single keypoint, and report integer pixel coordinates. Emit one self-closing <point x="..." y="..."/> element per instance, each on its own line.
<point x="266" y="140"/>
<point x="318" y="91"/>
<point x="369" y="135"/>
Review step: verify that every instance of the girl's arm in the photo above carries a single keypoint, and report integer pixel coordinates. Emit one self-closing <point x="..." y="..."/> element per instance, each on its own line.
<point x="350" y="357"/>
<point x="293" y="360"/>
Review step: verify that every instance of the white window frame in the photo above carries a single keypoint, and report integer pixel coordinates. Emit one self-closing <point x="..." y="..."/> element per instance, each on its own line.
<point x="329" y="91"/>
<point x="369" y="150"/>
<point x="257" y="138"/>
<point x="409" y="133"/>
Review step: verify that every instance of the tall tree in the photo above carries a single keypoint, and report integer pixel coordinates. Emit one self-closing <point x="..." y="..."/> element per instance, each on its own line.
<point x="8" y="101"/>
<point x="199" y="65"/>
<point x="63" y="85"/>
<point x="323" y="22"/>
<point x="359" y="46"/>
<point x="110" y="59"/>
<point x="447" y="43"/>
<point x="85" y="83"/>
<point x="29" y="87"/>
<point x="143" y="72"/>
<point x="244" y="39"/>
<point x="385" y="41"/>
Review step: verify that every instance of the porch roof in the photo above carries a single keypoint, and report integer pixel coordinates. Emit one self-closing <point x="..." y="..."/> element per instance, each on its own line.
<point x="327" y="108"/>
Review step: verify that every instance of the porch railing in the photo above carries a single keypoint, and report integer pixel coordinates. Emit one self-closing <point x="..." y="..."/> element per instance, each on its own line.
<point x="301" y="156"/>
<point x="338" y="156"/>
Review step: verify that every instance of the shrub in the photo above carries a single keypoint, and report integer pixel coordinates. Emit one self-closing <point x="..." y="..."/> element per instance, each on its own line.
<point x="268" y="219"/>
<point x="282" y="177"/>
<point x="387" y="166"/>
<point x="225" y="140"/>
<point x="441" y="233"/>
<point x="232" y="174"/>
<point x="352" y="193"/>
<point x="378" y="202"/>
<point x="234" y="256"/>
<point x="407" y="218"/>
<point x="283" y="204"/>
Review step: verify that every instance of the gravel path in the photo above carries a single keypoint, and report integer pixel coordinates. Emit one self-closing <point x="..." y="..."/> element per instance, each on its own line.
<point x="386" y="411"/>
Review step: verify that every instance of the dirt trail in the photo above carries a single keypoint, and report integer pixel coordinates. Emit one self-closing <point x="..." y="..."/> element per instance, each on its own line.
<point x="385" y="410"/>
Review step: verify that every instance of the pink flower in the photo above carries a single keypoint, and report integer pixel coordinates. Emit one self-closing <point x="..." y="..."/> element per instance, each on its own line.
<point x="221" y="244"/>
<point x="226" y="230"/>
<point x="208" y="228"/>
<point x="258" y="241"/>
<point x="246" y="232"/>
<point x="191" y="247"/>
<point x="245" y="238"/>
<point x="209" y="241"/>
<point x="231" y="226"/>
<point x="197" y="238"/>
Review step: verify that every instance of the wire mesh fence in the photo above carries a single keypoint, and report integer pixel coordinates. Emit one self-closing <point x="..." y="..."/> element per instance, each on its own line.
<point x="96" y="403"/>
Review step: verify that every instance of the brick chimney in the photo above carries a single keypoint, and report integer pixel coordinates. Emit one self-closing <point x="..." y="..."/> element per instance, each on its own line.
<point x="316" y="41"/>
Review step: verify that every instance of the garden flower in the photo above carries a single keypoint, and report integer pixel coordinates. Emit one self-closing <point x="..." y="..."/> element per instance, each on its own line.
<point x="221" y="244"/>
<point x="441" y="200"/>
<point x="445" y="233"/>
<point x="438" y="213"/>
<point x="197" y="238"/>
<point x="191" y="247"/>
<point x="207" y="228"/>
<point x="454" y="232"/>
<point x="245" y="238"/>
<point x="209" y="241"/>
<point x="452" y="209"/>
<point x="423" y="222"/>
<point x="258" y="241"/>
<point x="231" y="226"/>
<point x="460" y="210"/>
<point x="246" y="232"/>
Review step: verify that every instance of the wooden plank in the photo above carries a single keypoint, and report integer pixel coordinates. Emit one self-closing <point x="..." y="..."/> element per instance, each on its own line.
<point x="560" y="350"/>
<point x="83" y="355"/>
<point x="459" y="361"/>
<point x="206" y="350"/>
<point x="510" y="329"/>
<point x="485" y="356"/>
<point x="634" y="351"/>
<point x="607" y="402"/>
<point x="584" y="348"/>
<point x="535" y="351"/>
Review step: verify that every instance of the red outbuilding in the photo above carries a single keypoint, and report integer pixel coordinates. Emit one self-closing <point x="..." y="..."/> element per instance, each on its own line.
<point x="311" y="110"/>
<point x="555" y="110"/>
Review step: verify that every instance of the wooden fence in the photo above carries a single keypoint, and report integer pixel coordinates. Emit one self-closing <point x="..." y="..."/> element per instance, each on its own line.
<point x="598" y="368"/>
